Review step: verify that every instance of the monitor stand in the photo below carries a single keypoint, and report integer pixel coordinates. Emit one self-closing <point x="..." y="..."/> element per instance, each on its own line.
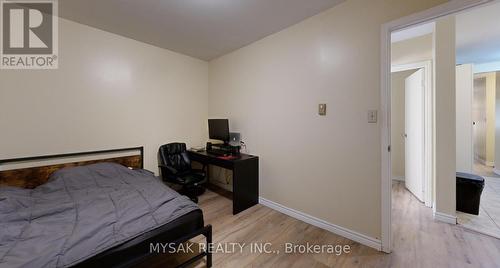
<point x="223" y="149"/>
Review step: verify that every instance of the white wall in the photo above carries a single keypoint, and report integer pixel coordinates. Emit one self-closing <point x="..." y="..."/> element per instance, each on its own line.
<point x="109" y="92"/>
<point x="464" y="148"/>
<point x="445" y="116"/>
<point x="328" y="167"/>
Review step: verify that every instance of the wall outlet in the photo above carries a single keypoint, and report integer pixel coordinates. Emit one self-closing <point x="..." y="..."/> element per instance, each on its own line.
<point x="322" y="109"/>
<point x="372" y="116"/>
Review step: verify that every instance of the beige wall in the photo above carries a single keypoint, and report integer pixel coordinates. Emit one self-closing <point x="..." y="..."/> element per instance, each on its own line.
<point x="328" y="167"/>
<point x="412" y="50"/>
<point x="398" y="123"/>
<point x="445" y="116"/>
<point x="108" y="92"/>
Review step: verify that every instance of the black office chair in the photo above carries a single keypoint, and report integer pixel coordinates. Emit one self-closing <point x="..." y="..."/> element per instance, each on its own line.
<point x="175" y="167"/>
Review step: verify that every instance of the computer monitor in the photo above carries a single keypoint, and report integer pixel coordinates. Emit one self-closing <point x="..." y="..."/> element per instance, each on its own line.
<point x="218" y="129"/>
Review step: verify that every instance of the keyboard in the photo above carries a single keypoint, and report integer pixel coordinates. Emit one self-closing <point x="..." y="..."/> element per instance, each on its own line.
<point x="218" y="152"/>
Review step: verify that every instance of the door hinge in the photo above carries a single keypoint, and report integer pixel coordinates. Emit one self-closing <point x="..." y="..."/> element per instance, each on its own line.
<point x="389" y="148"/>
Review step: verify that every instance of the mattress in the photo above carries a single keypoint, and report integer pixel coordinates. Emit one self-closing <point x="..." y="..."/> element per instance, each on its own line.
<point x="83" y="212"/>
<point x="136" y="250"/>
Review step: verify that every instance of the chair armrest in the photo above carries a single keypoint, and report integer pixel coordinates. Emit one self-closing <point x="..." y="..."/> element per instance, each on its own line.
<point x="170" y="169"/>
<point x="198" y="170"/>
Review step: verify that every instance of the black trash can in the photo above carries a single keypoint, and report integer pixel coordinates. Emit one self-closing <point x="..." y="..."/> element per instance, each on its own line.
<point x="469" y="189"/>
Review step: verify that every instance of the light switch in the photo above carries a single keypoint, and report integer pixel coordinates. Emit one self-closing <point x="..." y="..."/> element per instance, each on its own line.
<point x="372" y="116"/>
<point x="322" y="109"/>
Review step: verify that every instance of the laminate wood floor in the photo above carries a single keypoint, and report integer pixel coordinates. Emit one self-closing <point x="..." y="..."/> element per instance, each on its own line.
<point x="418" y="240"/>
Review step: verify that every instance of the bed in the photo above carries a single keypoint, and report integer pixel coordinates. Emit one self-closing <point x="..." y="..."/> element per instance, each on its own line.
<point x="94" y="213"/>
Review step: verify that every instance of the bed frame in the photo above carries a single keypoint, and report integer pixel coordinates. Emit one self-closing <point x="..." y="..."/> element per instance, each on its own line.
<point x="31" y="177"/>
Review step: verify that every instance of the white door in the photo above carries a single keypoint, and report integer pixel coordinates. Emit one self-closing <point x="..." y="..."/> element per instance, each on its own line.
<point x="464" y="119"/>
<point x="414" y="133"/>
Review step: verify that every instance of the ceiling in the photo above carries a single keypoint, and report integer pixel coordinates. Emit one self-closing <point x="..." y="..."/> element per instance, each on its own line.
<point x="204" y="29"/>
<point x="477" y="34"/>
<point x="413" y="32"/>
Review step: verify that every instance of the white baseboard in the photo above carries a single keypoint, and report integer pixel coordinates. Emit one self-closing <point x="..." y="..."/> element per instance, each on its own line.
<point x="445" y="217"/>
<point x="347" y="233"/>
<point x="398" y="178"/>
<point x="484" y="162"/>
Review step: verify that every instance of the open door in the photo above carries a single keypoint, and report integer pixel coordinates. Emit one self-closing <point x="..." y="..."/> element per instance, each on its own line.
<point x="414" y="134"/>
<point x="466" y="103"/>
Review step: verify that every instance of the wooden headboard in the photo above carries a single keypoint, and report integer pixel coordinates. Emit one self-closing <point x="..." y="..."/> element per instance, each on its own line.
<point x="32" y="177"/>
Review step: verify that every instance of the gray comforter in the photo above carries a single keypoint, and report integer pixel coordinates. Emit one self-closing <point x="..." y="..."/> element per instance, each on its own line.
<point x="81" y="212"/>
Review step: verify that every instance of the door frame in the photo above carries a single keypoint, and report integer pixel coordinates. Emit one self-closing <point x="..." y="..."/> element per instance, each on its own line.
<point x="419" y="18"/>
<point x="426" y="66"/>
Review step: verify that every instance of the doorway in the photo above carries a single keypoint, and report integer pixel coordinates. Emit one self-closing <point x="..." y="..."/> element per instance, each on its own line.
<point x="441" y="11"/>
<point x="484" y="125"/>
<point x="411" y="128"/>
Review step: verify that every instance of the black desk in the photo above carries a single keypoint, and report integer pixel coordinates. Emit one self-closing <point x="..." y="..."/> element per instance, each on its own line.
<point x="245" y="177"/>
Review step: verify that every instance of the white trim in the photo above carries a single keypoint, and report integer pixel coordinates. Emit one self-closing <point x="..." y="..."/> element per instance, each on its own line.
<point x="428" y="123"/>
<point x="398" y="178"/>
<point x="496" y="171"/>
<point x="439" y="216"/>
<point x="385" y="107"/>
<point x="339" y="230"/>
<point x="411" y="66"/>
<point x="385" y="123"/>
